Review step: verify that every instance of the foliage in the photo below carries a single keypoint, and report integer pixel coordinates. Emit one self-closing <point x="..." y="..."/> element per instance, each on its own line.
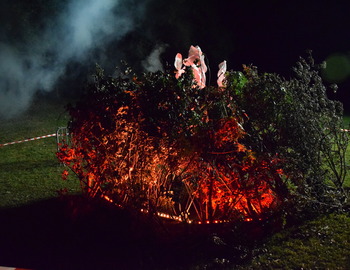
<point x="294" y="120"/>
<point x="171" y="146"/>
<point x="163" y="145"/>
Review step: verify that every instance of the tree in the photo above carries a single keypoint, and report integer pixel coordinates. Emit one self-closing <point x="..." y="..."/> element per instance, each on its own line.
<point x="295" y="120"/>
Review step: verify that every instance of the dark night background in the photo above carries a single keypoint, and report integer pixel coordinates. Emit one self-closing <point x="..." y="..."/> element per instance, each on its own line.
<point x="268" y="34"/>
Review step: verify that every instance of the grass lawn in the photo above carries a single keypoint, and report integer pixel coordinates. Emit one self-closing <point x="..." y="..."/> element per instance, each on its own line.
<point x="318" y="244"/>
<point x="347" y="126"/>
<point x="347" y="121"/>
<point x="44" y="231"/>
<point x="30" y="171"/>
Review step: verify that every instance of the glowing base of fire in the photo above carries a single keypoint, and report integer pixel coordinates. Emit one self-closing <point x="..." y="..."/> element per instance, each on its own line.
<point x="175" y="218"/>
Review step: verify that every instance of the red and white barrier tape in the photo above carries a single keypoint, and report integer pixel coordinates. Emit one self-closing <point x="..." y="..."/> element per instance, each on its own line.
<point x="31" y="139"/>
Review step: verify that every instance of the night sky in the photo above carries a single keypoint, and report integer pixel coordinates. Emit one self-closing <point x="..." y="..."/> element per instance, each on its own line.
<point x="269" y="34"/>
<point x="63" y="40"/>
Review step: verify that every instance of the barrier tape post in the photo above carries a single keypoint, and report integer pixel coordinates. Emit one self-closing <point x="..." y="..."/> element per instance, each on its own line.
<point x="62" y="136"/>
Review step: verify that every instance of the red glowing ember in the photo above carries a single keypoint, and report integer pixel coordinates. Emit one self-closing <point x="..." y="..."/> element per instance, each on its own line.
<point x="176" y="156"/>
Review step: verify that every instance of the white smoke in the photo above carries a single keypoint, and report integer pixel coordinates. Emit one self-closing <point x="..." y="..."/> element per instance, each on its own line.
<point x="84" y="26"/>
<point x="153" y="62"/>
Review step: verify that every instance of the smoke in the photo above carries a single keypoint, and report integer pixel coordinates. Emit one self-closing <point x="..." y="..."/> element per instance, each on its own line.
<point x="153" y="62"/>
<point x="78" y="35"/>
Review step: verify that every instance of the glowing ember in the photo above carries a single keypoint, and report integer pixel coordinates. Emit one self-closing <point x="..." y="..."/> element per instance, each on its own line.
<point x="199" y="172"/>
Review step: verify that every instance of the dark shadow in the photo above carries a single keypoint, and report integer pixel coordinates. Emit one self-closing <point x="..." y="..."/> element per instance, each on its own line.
<point x="74" y="233"/>
<point x="69" y="233"/>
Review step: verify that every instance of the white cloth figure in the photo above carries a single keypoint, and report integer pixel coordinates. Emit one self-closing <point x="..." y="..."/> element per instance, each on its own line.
<point x="195" y="61"/>
<point x="221" y="74"/>
<point x="178" y="66"/>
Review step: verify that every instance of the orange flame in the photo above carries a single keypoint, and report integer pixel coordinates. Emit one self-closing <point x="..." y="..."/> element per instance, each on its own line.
<point x="122" y="163"/>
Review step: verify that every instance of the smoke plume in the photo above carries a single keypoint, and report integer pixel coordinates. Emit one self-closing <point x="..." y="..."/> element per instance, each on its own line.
<point x="153" y="62"/>
<point x="78" y="34"/>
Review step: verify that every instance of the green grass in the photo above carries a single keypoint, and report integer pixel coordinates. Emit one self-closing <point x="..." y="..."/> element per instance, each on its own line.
<point x="347" y="121"/>
<point x="30" y="171"/>
<point x="323" y="243"/>
<point x="347" y="126"/>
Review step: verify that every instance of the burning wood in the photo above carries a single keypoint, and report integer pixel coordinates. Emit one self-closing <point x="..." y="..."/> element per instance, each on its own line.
<point x="179" y="155"/>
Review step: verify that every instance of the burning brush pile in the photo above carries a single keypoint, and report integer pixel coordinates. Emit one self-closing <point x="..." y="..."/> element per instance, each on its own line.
<point x="168" y="145"/>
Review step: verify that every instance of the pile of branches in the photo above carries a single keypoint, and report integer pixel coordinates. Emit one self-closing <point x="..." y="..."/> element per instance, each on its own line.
<point x="171" y="146"/>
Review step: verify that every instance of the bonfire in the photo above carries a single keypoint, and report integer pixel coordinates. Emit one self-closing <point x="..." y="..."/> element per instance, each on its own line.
<point x="170" y="146"/>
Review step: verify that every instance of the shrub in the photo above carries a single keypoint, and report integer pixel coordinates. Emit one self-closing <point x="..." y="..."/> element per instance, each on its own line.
<point x="296" y="121"/>
<point x="173" y="147"/>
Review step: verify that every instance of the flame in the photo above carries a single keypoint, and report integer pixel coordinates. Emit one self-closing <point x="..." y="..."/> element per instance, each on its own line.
<point x="122" y="163"/>
<point x="127" y="168"/>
